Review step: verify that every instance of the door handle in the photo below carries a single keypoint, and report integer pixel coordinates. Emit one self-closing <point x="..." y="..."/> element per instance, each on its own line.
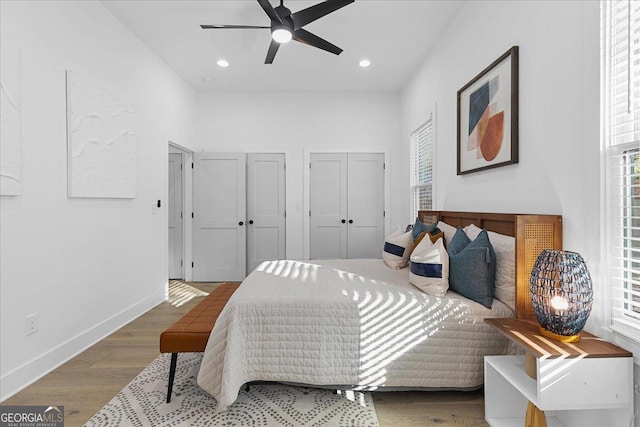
<point x="241" y="223"/>
<point x="250" y="221"/>
<point x="343" y="221"/>
<point x="350" y="221"/>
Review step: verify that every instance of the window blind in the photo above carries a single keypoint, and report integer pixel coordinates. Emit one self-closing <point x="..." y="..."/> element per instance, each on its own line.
<point x="621" y="120"/>
<point x="422" y="167"/>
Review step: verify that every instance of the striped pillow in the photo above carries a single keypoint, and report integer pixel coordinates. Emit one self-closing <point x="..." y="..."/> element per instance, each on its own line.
<point x="429" y="270"/>
<point x="397" y="248"/>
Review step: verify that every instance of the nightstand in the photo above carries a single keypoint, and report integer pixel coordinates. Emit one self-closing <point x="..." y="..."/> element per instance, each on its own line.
<point x="583" y="384"/>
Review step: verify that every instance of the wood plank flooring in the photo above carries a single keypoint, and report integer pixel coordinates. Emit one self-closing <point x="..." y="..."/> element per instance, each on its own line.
<point x="88" y="381"/>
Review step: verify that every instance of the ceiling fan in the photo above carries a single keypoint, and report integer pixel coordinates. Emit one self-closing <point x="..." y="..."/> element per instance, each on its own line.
<point x="286" y="26"/>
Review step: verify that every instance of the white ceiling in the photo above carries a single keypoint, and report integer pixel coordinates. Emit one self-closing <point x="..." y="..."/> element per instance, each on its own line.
<point x="395" y="35"/>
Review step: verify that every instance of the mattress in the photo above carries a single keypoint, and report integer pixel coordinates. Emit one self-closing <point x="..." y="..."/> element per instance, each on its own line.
<point x="356" y="323"/>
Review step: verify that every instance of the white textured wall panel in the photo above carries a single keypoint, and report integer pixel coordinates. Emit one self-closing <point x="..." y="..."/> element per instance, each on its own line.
<point x="101" y="141"/>
<point x="10" y="120"/>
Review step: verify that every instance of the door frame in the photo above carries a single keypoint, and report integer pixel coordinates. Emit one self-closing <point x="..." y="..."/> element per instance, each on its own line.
<point x="179" y="207"/>
<point x="187" y="207"/>
<point x="306" y="232"/>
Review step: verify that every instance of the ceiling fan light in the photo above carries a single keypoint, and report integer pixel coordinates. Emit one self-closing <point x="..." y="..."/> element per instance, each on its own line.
<point x="281" y="35"/>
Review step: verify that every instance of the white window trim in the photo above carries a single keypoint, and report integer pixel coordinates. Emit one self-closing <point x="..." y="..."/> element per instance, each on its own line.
<point x="432" y="117"/>
<point x="627" y="330"/>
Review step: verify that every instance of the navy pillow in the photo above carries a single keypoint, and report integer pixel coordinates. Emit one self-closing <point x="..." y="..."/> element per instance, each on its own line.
<point x="433" y="229"/>
<point x="418" y="228"/>
<point x="472" y="267"/>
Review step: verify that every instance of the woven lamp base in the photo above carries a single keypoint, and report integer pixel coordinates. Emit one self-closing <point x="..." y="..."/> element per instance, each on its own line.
<point x="558" y="337"/>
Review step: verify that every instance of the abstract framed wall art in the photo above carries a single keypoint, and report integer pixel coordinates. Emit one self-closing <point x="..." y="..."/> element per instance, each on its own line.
<point x="488" y="117"/>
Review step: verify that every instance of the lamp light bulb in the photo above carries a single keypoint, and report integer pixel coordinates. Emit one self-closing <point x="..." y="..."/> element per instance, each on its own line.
<point x="281" y="35"/>
<point x="559" y="302"/>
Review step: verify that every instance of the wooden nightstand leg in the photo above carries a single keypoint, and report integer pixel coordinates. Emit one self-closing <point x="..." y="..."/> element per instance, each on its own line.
<point x="535" y="417"/>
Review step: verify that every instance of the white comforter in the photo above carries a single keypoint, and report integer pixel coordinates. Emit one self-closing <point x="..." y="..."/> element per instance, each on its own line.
<point x="318" y="324"/>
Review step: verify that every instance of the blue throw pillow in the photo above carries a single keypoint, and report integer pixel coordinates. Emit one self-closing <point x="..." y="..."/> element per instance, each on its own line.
<point x="459" y="241"/>
<point x="472" y="267"/>
<point x="418" y="228"/>
<point x="433" y="229"/>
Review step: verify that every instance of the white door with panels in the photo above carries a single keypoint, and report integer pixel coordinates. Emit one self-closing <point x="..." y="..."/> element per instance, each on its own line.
<point x="175" y="214"/>
<point x="365" y="206"/>
<point x="219" y="231"/>
<point x="265" y="208"/>
<point x="346" y="205"/>
<point x="328" y="206"/>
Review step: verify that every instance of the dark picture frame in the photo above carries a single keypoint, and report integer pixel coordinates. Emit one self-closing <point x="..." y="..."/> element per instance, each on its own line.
<point x="488" y="117"/>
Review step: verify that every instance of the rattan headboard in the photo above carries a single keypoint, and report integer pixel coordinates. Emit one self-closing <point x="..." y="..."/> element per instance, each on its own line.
<point x="533" y="233"/>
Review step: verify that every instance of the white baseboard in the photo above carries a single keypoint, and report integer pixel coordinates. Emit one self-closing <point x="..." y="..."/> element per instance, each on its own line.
<point x="31" y="371"/>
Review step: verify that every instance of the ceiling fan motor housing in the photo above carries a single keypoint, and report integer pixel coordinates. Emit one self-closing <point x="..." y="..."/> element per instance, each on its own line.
<point x="286" y="26"/>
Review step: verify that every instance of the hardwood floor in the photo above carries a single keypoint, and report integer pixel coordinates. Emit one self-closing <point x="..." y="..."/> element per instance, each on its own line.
<point x="88" y="381"/>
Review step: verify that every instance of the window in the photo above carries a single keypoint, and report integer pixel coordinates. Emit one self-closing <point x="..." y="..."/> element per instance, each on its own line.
<point x="422" y="167"/>
<point x="621" y="130"/>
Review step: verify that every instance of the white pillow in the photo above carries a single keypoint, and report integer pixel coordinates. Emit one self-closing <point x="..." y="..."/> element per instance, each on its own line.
<point x="505" y="249"/>
<point x="429" y="270"/>
<point x="397" y="249"/>
<point x="448" y="230"/>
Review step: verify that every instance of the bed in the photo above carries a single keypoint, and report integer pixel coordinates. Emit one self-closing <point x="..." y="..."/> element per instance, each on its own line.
<point x="361" y="325"/>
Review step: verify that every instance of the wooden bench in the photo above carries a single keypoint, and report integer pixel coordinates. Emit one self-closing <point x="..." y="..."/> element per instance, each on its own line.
<point x="191" y="333"/>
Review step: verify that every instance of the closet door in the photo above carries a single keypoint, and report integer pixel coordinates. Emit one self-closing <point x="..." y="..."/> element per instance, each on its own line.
<point x="328" y="206"/>
<point x="175" y="216"/>
<point x="347" y="205"/>
<point x="365" y="202"/>
<point x="219" y="200"/>
<point x="265" y="208"/>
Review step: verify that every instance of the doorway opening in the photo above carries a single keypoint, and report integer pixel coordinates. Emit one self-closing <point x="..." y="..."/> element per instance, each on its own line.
<point x="178" y="205"/>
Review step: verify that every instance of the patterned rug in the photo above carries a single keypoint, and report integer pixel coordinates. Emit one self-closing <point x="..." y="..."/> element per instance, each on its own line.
<point x="142" y="403"/>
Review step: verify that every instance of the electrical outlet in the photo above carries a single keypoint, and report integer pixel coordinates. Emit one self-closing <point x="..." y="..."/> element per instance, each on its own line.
<point x="31" y="323"/>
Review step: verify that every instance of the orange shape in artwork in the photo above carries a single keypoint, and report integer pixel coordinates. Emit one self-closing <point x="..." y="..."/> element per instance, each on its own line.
<point x="491" y="138"/>
<point x="482" y="130"/>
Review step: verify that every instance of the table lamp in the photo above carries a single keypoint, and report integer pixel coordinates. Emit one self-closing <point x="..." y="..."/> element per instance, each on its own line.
<point x="561" y="293"/>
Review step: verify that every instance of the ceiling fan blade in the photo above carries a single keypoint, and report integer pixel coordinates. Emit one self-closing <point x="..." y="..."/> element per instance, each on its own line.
<point x="310" y="14"/>
<point x="216" y="26"/>
<point x="270" y="11"/>
<point x="271" y="53"/>
<point x="311" y="39"/>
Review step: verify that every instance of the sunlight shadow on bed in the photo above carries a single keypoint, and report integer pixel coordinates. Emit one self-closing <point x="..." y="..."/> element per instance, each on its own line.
<point x="392" y="320"/>
<point x="392" y="323"/>
<point x="389" y="332"/>
<point x="291" y="269"/>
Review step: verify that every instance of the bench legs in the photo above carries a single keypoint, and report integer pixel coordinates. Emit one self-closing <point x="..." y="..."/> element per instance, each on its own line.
<point x="172" y="373"/>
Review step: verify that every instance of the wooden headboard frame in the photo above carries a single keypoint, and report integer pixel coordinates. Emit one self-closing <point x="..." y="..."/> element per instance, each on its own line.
<point x="533" y="233"/>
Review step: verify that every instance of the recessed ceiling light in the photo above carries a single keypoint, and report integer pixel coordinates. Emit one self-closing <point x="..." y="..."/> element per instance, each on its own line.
<point x="208" y="79"/>
<point x="364" y="63"/>
<point x="222" y="63"/>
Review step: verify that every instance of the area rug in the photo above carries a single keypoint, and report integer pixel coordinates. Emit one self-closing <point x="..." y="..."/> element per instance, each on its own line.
<point x="142" y="403"/>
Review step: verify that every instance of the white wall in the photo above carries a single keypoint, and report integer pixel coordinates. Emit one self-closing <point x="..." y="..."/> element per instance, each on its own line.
<point x="558" y="171"/>
<point x="559" y="167"/>
<point x="87" y="266"/>
<point x="299" y="123"/>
